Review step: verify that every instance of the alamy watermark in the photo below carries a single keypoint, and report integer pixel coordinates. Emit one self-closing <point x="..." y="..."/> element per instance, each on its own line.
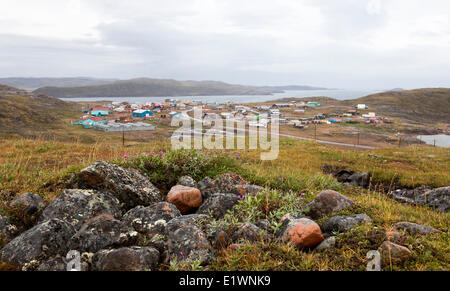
<point x="203" y="132"/>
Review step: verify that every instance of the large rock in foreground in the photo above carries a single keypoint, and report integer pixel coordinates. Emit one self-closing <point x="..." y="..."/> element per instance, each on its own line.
<point x="101" y="232"/>
<point x="326" y="203"/>
<point x="130" y="186"/>
<point x="7" y="230"/>
<point x="127" y="259"/>
<point x="77" y="206"/>
<point x="226" y="183"/>
<point x="185" y="198"/>
<point x="38" y="243"/>
<point x="217" y="205"/>
<point x="302" y="232"/>
<point x="189" y="244"/>
<point x="151" y="220"/>
<point x="28" y="203"/>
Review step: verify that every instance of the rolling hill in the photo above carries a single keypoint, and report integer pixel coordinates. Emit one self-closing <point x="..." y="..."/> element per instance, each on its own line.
<point x="35" y="83"/>
<point x="145" y="87"/>
<point x="30" y="114"/>
<point x="429" y="105"/>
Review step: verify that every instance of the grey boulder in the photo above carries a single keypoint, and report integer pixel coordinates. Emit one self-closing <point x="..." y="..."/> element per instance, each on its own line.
<point x="344" y="223"/>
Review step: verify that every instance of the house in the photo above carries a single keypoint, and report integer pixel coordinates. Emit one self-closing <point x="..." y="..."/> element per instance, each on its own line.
<point x="100" y="111"/>
<point x="315" y="104"/>
<point x="352" y="112"/>
<point x="141" y="113"/>
<point x="362" y="106"/>
<point x="87" y="122"/>
<point x="332" y="120"/>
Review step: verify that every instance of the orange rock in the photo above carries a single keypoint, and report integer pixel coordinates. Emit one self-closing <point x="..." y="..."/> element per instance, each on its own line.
<point x="185" y="198"/>
<point x="304" y="233"/>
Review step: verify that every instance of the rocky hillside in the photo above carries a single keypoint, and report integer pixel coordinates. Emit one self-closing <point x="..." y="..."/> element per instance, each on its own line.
<point x="118" y="220"/>
<point x="420" y="105"/>
<point x="23" y="112"/>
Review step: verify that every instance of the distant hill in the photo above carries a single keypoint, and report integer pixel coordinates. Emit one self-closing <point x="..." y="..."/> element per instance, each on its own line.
<point x="145" y="87"/>
<point x="35" y="83"/>
<point x="298" y="88"/>
<point x="28" y="114"/>
<point x="421" y="105"/>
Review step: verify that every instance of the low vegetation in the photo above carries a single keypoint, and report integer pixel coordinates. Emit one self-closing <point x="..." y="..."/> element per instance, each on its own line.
<point x="294" y="178"/>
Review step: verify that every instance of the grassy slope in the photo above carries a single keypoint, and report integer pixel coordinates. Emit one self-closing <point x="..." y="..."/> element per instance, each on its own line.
<point x="420" y="105"/>
<point x="43" y="166"/>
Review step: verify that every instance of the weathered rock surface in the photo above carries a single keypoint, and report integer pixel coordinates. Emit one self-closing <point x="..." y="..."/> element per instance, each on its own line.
<point x="327" y="244"/>
<point x="7" y="230"/>
<point x="28" y="203"/>
<point x="101" y="232"/>
<point x="413" y="228"/>
<point x="186" y="199"/>
<point x="128" y="185"/>
<point x="303" y="232"/>
<point x="187" y="181"/>
<point x="187" y="220"/>
<point x="249" y="232"/>
<point x="344" y="223"/>
<point x="393" y="253"/>
<point x="38" y="243"/>
<point x="359" y="179"/>
<point x="189" y="243"/>
<point x="127" y="259"/>
<point x="264" y="224"/>
<point x="151" y="220"/>
<point x="226" y="183"/>
<point x="217" y="205"/>
<point x="77" y="206"/>
<point x="326" y="203"/>
<point x="438" y="198"/>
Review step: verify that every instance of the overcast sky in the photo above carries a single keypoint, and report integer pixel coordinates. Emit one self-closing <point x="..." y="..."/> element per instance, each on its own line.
<point x="360" y="44"/>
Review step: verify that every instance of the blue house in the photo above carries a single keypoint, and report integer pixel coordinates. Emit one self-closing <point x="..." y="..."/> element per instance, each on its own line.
<point x="140" y="113"/>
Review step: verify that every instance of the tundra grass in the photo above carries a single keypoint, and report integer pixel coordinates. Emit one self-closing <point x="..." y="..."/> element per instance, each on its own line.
<point x="44" y="166"/>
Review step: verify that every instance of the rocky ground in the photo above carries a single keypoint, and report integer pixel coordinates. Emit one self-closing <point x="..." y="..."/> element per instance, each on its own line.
<point x="118" y="220"/>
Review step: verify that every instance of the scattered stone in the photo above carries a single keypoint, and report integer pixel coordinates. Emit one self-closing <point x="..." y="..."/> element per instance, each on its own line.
<point x="28" y="203"/>
<point x="187" y="220"/>
<point x="101" y="232"/>
<point x="359" y="180"/>
<point x="438" y="198"/>
<point x="77" y="206"/>
<point x="344" y="223"/>
<point x="303" y="232"/>
<point x="393" y="253"/>
<point x="127" y="259"/>
<point x="7" y="230"/>
<point x="413" y="228"/>
<point x="189" y="244"/>
<point x="53" y="265"/>
<point x="185" y="198"/>
<point x="226" y="183"/>
<point x="326" y="203"/>
<point x="187" y="181"/>
<point x="130" y="186"/>
<point x="151" y="220"/>
<point x="38" y="243"/>
<point x="327" y="244"/>
<point x="249" y="232"/>
<point x="217" y="205"/>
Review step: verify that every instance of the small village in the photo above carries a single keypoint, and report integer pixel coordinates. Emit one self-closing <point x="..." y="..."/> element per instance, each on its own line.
<point x="123" y="116"/>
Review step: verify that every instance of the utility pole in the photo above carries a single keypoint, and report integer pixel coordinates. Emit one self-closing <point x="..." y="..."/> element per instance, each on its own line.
<point x="357" y="141"/>
<point x="123" y="135"/>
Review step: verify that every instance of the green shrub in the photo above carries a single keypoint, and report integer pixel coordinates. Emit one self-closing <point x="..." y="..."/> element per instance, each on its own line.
<point x="165" y="168"/>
